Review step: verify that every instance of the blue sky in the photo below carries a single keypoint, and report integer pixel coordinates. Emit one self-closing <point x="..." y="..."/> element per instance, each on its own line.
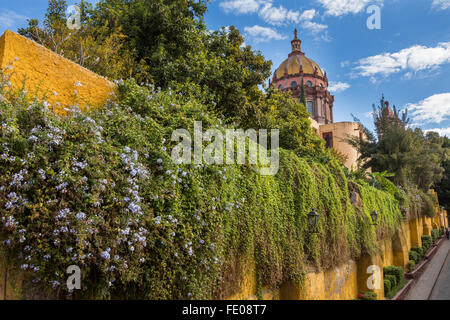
<point x="408" y="59"/>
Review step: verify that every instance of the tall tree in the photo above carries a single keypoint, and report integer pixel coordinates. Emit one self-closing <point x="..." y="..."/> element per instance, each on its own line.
<point x="162" y="42"/>
<point x="443" y="187"/>
<point x="88" y="46"/>
<point x="412" y="156"/>
<point x="302" y="93"/>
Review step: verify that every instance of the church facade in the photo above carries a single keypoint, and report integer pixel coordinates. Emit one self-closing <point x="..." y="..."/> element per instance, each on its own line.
<point x="299" y="73"/>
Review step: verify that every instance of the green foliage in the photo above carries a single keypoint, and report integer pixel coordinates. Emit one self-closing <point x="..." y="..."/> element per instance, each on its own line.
<point x="368" y="296"/>
<point x="162" y="43"/>
<point x="427" y="242"/>
<point x="413" y="157"/>
<point x="280" y="111"/>
<point x="392" y="279"/>
<point x="302" y="93"/>
<point x="435" y="235"/>
<point x="389" y="215"/>
<point x="395" y="271"/>
<point x="410" y="266"/>
<point x="420" y="251"/>
<point x="99" y="190"/>
<point x="395" y="289"/>
<point x="414" y="256"/>
<point x="383" y="119"/>
<point x="443" y="187"/>
<point x="429" y="202"/>
<point x="387" y="285"/>
<point x="100" y="48"/>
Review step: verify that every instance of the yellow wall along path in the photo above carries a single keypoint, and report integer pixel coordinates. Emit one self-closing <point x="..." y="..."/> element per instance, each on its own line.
<point x="344" y="282"/>
<point x="46" y="73"/>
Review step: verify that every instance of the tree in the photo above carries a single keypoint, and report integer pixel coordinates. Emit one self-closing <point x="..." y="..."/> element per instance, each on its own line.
<point x="172" y="38"/>
<point x="280" y="111"/>
<point x="89" y="46"/>
<point x="413" y="157"/>
<point x="384" y="116"/>
<point x="302" y="93"/>
<point x="443" y="187"/>
<point x="163" y="42"/>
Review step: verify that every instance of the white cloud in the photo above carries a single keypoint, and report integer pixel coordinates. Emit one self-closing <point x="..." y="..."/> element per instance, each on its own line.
<point x="434" y="109"/>
<point x="314" y="27"/>
<point x="275" y="16"/>
<point x="345" y="63"/>
<point x="441" y="4"/>
<point x="442" y="131"/>
<point x="337" y="87"/>
<point x="413" y="59"/>
<point x="343" y="7"/>
<point x="308" y="14"/>
<point x="271" y="14"/>
<point x="241" y="6"/>
<point x="263" y="34"/>
<point x="278" y="15"/>
<point x="9" y="18"/>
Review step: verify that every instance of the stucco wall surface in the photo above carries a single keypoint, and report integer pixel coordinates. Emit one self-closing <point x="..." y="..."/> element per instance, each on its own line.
<point x="46" y="74"/>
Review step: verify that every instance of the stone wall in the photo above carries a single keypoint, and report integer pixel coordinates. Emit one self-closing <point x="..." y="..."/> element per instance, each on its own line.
<point x="49" y="76"/>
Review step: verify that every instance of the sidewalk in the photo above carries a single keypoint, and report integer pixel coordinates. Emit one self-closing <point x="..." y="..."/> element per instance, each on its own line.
<point x="421" y="290"/>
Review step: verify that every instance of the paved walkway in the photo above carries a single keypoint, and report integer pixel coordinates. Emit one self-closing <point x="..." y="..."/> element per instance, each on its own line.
<point x="441" y="290"/>
<point x="423" y="288"/>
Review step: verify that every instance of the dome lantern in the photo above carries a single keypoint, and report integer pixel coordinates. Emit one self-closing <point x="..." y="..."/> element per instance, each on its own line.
<point x="296" y="43"/>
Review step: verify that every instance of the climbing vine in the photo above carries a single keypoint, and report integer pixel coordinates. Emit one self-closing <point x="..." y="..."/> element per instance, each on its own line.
<point x="98" y="189"/>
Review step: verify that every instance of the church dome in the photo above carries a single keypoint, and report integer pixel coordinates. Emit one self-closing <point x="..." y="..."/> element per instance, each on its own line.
<point x="297" y="63"/>
<point x="300" y="75"/>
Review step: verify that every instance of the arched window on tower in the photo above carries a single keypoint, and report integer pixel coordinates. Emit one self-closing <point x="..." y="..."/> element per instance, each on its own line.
<point x="294" y="84"/>
<point x="309" y="83"/>
<point x="310" y="108"/>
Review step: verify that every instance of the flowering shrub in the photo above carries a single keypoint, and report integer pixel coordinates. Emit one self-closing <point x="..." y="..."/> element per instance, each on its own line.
<point x="98" y="189"/>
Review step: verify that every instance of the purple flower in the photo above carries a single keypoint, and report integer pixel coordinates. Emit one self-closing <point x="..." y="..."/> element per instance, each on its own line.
<point x="105" y="255"/>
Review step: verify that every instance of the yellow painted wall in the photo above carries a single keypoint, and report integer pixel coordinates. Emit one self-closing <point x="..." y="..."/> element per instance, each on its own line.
<point x="46" y="73"/>
<point x="341" y="132"/>
<point x="344" y="282"/>
<point x="340" y="283"/>
<point x="427" y="226"/>
<point x="13" y="281"/>
<point x="416" y="229"/>
<point x="407" y="233"/>
<point x="388" y="254"/>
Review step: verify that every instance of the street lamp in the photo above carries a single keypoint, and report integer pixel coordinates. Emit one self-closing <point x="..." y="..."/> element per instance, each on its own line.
<point x="313" y="218"/>
<point x="374" y="216"/>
